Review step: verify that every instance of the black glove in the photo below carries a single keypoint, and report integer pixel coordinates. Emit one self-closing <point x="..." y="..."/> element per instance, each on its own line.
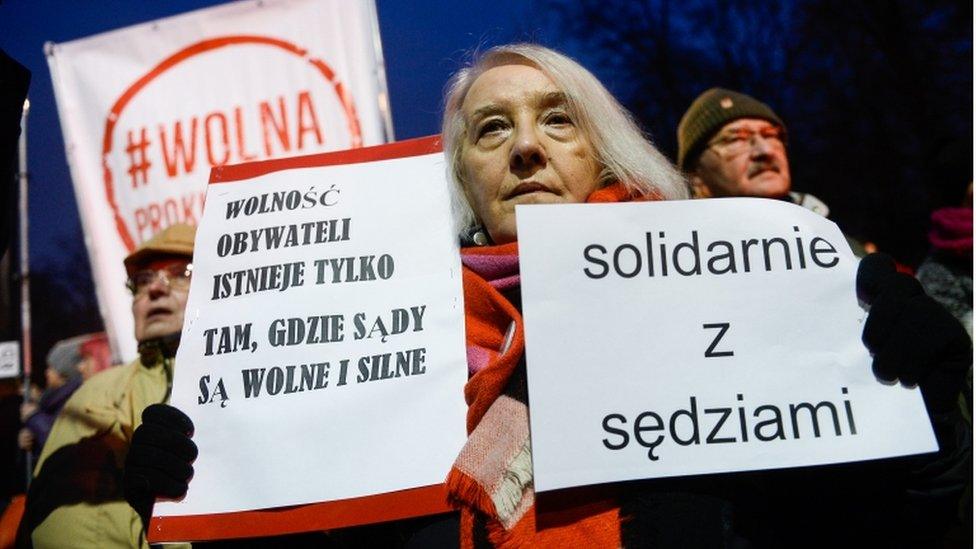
<point x="913" y="338"/>
<point x="159" y="459"/>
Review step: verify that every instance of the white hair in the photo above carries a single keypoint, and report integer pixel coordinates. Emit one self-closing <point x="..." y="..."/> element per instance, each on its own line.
<point x="625" y="154"/>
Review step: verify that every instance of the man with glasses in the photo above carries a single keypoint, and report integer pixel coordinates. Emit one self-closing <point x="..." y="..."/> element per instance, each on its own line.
<point x="730" y="144"/>
<point x="76" y="499"/>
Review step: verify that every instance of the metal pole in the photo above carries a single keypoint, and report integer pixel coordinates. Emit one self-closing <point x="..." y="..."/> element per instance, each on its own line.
<point x="25" y="309"/>
<point x="383" y="100"/>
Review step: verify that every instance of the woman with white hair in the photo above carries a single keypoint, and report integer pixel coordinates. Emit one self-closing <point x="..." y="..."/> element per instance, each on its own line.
<point x="526" y="125"/>
<point x="552" y="120"/>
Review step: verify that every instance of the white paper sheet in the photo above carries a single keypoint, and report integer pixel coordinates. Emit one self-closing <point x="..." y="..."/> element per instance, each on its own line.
<point x="330" y="436"/>
<point x="622" y="356"/>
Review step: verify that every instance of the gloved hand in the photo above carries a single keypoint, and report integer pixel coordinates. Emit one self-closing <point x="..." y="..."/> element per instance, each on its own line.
<point x="913" y="339"/>
<point x="159" y="459"/>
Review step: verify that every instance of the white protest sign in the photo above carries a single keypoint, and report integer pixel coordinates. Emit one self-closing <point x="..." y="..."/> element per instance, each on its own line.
<point x="323" y="352"/>
<point x="691" y="337"/>
<point x="147" y="110"/>
<point x="9" y="359"/>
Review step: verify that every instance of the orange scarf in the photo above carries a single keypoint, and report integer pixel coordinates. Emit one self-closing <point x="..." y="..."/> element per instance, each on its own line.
<point x="491" y="481"/>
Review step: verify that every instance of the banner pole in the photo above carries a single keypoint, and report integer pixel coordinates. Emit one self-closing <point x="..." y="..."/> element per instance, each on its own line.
<point x="25" y="309"/>
<point x="383" y="100"/>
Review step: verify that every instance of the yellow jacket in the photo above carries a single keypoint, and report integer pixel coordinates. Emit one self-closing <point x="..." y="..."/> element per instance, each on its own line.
<point x="77" y="491"/>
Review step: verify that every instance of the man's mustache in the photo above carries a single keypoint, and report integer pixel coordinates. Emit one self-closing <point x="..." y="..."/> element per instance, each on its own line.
<point x="758" y="167"/>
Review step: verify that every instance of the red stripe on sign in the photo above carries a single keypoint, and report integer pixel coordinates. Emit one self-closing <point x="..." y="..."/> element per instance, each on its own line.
<point x="416" y="502"/>
<point x="400" y="149"/>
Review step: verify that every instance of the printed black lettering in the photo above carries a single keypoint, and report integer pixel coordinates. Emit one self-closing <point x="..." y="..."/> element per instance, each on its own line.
<point x="711" y="439"/>
<point x="640" y="428"/>
<point x="722" y="327"/>
<point x="814" y="419"/>
<point x="625" y="438"/>
<point x="588" y="255"/>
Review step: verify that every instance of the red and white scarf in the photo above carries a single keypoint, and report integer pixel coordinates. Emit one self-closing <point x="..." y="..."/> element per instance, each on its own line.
<point x="491" y="481"/>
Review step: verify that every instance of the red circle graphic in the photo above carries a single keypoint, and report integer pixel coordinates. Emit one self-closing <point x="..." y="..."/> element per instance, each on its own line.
<point x="204" y="46"/>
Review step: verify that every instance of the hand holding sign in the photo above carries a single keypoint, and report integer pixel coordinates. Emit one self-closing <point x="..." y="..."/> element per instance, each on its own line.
<point x="914" y="339"/>
<point x="160" y="459"/>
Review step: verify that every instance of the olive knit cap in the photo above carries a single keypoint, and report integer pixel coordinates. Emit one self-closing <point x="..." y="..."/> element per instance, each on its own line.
<point x="174" y="240"/>
<point x="709" y="112"/>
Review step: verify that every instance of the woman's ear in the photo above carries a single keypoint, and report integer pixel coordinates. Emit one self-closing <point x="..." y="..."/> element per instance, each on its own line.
<point x="466" y="190"/>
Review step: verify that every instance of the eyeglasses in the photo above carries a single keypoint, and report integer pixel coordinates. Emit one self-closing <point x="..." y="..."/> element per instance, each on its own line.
<point x="176" y="276"/>
<point x="740" y="141"/>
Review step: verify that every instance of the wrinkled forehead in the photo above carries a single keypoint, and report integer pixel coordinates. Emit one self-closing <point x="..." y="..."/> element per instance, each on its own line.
<point x="512" y="84"/>
<point x="159" y="263"/>
<point x="749" y="124"/>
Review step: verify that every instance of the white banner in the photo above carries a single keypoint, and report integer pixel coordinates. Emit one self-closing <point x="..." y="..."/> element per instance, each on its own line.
<point x="147" y="110"/>
<point x="691" y="337"/>
<point x="9" y="359"/>
<point x="323" y="354"/>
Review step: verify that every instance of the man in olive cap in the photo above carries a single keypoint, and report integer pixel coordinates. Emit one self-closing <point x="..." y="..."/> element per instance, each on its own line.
<point x="76" y="499"/>
<point x="730" y="144"/>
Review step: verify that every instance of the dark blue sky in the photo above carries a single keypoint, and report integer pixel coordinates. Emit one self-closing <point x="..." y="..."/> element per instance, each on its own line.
<point x="423" y="42"/>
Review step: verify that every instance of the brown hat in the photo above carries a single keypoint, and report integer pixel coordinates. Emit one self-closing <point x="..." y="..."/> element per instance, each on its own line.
<point x="712" y="110"/>
<point x="174" y="240"/>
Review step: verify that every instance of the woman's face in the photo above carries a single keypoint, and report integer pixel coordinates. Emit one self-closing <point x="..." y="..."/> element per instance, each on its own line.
<point x="521" y="146"/>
